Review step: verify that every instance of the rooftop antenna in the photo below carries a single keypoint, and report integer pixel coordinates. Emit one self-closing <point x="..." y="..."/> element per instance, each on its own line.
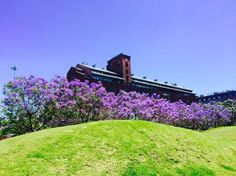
<point x="14" y="68"/>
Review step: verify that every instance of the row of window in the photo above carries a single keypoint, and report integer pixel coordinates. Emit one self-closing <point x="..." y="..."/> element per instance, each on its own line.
<point x="142" y="86"/>
<point x="217" y="97"/>
<point x="101" y="78"/>
<point x="211" y="99"/>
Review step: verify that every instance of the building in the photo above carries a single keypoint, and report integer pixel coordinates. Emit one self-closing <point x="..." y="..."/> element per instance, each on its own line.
<point x="218" y="96"/>
<point x="118" y="77"/>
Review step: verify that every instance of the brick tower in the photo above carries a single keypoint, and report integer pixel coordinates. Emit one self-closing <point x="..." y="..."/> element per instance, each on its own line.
<point x="121" y="65"/>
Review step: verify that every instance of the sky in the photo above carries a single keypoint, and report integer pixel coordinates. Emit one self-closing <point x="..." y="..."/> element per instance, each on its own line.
<point x="191" y="43"/>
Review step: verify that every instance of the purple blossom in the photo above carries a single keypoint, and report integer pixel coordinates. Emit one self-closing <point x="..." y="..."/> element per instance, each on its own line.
<point x="77" y="102"/>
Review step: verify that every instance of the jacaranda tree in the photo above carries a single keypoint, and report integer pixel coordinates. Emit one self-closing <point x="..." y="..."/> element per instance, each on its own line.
<point x="31" y="104"/>
<point x="231" y="106"/>
<point x="77" y="102"/>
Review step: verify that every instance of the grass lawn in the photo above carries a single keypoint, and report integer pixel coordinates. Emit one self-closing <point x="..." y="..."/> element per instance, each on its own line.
<point x="120" y="148"/>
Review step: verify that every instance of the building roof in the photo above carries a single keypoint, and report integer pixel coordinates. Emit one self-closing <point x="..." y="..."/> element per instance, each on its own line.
<point x="99" y="69"/>
<point x="217" y="94"/>
<point x="161" y="84"/>
<point x="121" y="54"/>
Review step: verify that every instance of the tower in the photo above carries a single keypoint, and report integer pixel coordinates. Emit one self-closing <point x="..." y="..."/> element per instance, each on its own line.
<point x="121" y="64"/>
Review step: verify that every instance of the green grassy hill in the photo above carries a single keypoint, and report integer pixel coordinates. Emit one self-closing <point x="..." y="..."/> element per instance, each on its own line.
<point x="120" y="148"/>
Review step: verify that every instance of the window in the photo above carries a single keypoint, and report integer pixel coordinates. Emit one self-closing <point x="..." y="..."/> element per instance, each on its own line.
<point x="141" y="86"/>
<point x="127" y="71"/>
<point x="127" y="78"/>
<point x="166" y="96"/>
<point x="126" y="64"/>
<point x="100" y="78"/>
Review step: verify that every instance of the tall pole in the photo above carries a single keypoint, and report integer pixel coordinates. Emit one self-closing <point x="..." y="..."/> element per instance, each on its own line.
<point x="14" y="68"/>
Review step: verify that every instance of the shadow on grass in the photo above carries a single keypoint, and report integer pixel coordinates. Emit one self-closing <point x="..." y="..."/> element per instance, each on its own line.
<point x="195" y="170"/>
<point x="150" y="170"/>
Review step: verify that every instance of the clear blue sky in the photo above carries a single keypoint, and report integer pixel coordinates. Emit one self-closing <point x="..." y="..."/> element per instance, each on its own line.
<point x="191" y="43"/>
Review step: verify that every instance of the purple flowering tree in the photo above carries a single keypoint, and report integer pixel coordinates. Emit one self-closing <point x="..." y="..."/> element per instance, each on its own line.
<point x="127" y="105"/>
<point x="29" y="104"/>
<point x="134" y="105"/>
<point x="231" y="106"/>
<point x="77" y="102"/>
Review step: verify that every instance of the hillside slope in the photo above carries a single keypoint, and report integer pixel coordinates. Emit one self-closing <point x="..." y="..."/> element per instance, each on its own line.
<point x="120" y="148"/>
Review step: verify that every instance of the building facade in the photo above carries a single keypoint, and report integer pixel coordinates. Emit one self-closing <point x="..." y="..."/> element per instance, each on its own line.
<point x="118" y="77"/>
<point x="218" y="96"/>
